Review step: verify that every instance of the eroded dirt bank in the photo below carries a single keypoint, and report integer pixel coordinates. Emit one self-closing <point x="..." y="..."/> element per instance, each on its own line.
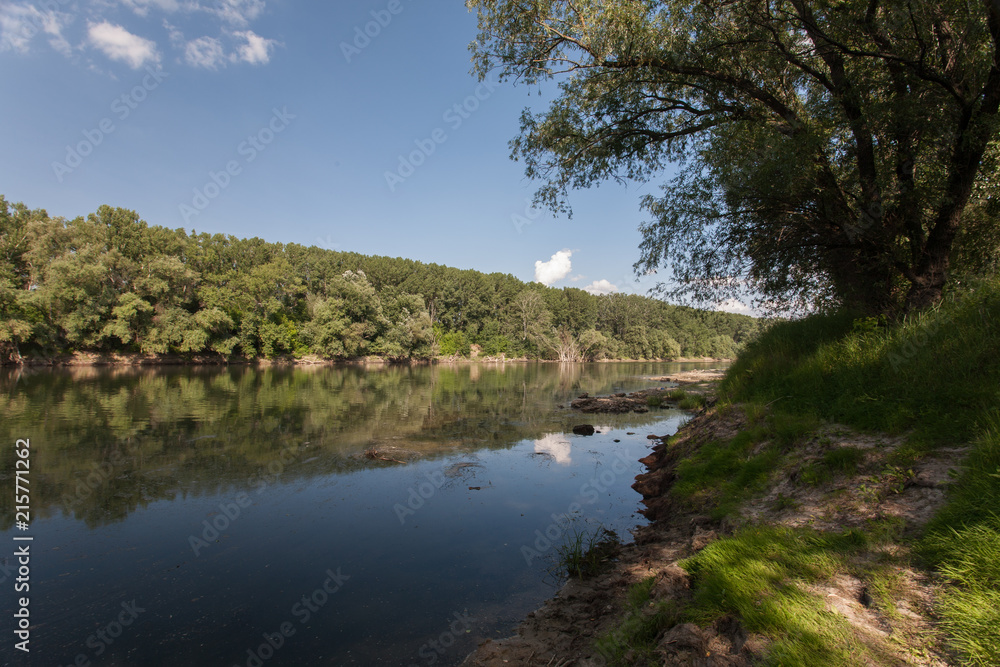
<point x="897" y="628"/>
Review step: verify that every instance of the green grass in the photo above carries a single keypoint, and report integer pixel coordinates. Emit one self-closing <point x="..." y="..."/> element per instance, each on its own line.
<point x="837" y="461"/>
<point x="691" y="402"/>
<point x="721" y="475"/>
<point x="963" y="543"/>
<point x="927" y="375"/>
<point x="756" y="574"/>
<point x="934" y="378"/>
<point x="586" y="553"/>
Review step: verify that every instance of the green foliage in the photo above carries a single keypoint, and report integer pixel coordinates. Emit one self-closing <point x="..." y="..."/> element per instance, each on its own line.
<point x="111" y="282"/>
<point x="831" y="153"/>
<point x="454" y="342"/>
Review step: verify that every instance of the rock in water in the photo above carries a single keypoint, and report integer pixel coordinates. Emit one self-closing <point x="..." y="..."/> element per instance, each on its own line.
<point x="583" y="429"/>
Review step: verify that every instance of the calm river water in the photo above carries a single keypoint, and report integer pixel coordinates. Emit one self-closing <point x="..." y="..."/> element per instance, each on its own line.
<point x="228" y="516"/>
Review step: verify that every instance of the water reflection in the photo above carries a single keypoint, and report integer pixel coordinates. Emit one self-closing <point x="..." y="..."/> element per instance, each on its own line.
<point x="555" y="445"/>
<point x="117" y="439"/>
<point x="216" y="498"/>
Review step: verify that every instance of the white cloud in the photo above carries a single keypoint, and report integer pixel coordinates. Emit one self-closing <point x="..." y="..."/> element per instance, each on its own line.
<point x="142" y="7"/>
<point x="557" y="268"/>
<point x="20" y="23"/>
<point x="210" y="53"/>
<point x="557" y="446"/>
<point x="256" y="51"/>
<point x="238" y="12"/>
<point x="118" y="43"/>
<point x="175" y="35"/>
<point x="601" y="287"/>
<point x="733" y="306"/>
<point x="206" y="52"/>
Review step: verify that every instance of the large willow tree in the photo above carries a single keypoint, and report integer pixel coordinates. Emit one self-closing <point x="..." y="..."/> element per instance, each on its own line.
<point x="834" y="151"/>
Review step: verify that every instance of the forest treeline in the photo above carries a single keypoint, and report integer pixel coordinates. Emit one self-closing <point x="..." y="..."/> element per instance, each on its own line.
<point x="110" y="282"/>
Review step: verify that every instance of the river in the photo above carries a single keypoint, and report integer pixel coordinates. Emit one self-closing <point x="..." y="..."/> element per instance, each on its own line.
<point x="229" y="516"/>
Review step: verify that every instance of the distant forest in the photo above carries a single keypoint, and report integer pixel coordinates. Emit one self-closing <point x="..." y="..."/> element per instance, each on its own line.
<point x="111" y="283"/>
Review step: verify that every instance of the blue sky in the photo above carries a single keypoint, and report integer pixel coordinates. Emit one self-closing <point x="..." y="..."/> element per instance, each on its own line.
<point x="289" y="121"/>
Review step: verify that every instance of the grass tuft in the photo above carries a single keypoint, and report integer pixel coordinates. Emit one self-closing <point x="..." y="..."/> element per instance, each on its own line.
<point x="586" y="554"/>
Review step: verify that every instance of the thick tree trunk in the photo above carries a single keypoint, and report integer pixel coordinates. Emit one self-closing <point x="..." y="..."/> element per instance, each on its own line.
<point x="927" y="284"/>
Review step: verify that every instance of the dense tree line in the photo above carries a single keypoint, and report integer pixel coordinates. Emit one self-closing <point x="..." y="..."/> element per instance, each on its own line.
<point x="112" y="283"/>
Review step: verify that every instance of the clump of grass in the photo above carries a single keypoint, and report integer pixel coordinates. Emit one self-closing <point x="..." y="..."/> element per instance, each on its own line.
<point x="654" y="400"/>
<point x="783" y="502"/>
<point x="633" y="641"/>
<point x="691" y="402"/>
<point x="586" y="554"/>
<point x="837" y="461"/>
<point x="885" y="581"/>
<point x="844" y="460"/>
<point x="754" y="575"/>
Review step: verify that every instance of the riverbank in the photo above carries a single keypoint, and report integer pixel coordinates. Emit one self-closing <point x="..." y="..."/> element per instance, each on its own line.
<point x="139" y="359"/>
<point x="661" y="601"/>
<point x="828" y="509"/>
